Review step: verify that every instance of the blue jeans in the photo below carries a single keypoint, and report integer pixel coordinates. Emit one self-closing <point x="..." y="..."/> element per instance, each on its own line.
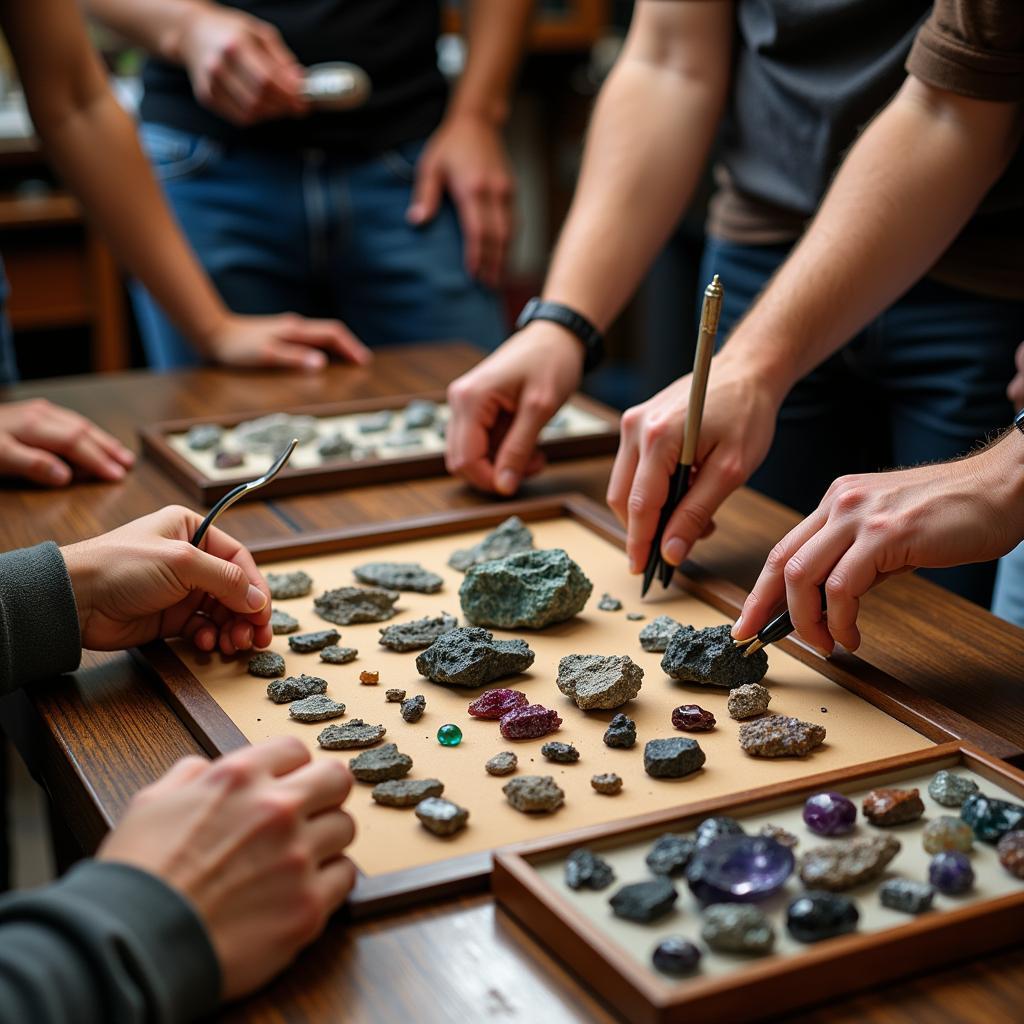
<point x="317" y="234"/>
<point x="923" y="382"/>
<point x="8" y="357"/>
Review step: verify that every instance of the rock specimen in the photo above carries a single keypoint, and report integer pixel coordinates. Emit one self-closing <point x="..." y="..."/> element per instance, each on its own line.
<point x="670" y="854"/>
<point x="560" y="753"/>
<point x="692" y="718"/>
<point x="644" y="901"/>
<point x="286" y="585"/>
<point x="709" y="657"/>
<point x="531" y="590"/>
<point x="672" y="758"/>
<point x="271" y="434"/>
<point x="830" y="814"/>
<point x="347" y="606"/>
<point x="470" y="656"/>
<point x="406" y="792"/>
<point x="586" y="870"/>
<point x="380" y="764"/>
<point x="780" y="736"/>
<point x="394" y="695"/>
<point x="334" y="446"/>
<point x="847" y="862"/>
<point x="780" y="835"/>
<point x="821" y="915"/>
<point x="951" y="872"/>
<point x="283" y="691"/>
<point x="369" y="678"/>
<point x="736" y="928"/>
<point x="907" y="896"/>
<point x="507" y="539"/>
<point x="375" y="422"/>
<point x="1011" y="853"/>
<point x="503" y="763"/>
<point x="748" y="700"/>
<point x="203" y="436"/>
<point x="596" y="681"/>
<point x="281" y="622"/>
<point x="654" y="637"/>
<point x="607" y="783"/>
<point x="888" y="806"/>
<point x="356" y="733"/>
<point x="316" y="708"/>
<point x="712" y="829"/>
<point x="529" y="723"/>
<point x="951" y="790"/>
<point x="609" y="604"/>
<point x="399" y="576"/>
<point x="307" y="643"/>
<point x="498" y="703"/>
<point x="338" y="655"/>
<point x="621" y="732"/>
<point x="635" y="616"/>
<point x="533" y="793"/>
<point x="228" y="460"/>
<point x="419" y="413"/>
<point x="947" y="833"/>
<point x="676" y="956"/>
<point x="266" y="665"/>
<point x="441" y="816"/>
<point x="413" y="708"/>
<point x="417" y="635"/>
<point x="449" y="735"/>
<point x="991" y="819"/>
<point x="739" y="869"/>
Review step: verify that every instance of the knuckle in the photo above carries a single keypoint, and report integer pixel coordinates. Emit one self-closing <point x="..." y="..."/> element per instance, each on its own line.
<point x="231" y="774"/>
<point x="279" y="814"/>
<point x="636" y="503"/>
<point x="539" y="403"/>
<point x="179" y="554"/>
<point x="695" y="518"/>
<point x="795" y="571"/>
<point x="632" y="419"/>
<point x="459" y="391"/>
<point x="850" y="497"/>
<point x="777" y="558"/>
<point x="838" y="584"/>
<point x="731" y="471"/>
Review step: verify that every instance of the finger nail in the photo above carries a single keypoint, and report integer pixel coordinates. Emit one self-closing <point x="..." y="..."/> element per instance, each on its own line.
<point x="313" y="361"/>
<point x="255" y="599"/>
<point x="414" y="214"/>
<point x="507" y="481"/>
<point x="674" y="551"/>
<point x="57" y="474"/>
<point x="737" y="629"/>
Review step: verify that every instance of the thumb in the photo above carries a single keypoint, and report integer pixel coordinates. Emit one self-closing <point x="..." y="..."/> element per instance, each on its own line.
<point x="296" y="356"/>
<point x="519" y="445"/>
<point x="35" y="464"/>
<point x="225" y="581"/>
<point x="426" y="193"/>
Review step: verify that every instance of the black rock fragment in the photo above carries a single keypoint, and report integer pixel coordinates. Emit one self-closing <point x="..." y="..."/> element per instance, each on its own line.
<point x="644" y="901"/>
<point x="709" y="657"/>
<point x="584" y="869"/>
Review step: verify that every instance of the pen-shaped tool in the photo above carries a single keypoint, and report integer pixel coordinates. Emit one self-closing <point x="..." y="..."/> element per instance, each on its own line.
<point x="781" y="626"/>
<point x="679" y="484"/>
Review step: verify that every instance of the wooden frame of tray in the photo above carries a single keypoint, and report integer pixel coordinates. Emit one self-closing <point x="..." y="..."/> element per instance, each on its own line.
<point x="205" y="490"/>
<point x="218" y="734"/>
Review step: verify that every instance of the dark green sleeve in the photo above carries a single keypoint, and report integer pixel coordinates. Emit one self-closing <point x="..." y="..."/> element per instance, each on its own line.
<point x="39" y="633"/>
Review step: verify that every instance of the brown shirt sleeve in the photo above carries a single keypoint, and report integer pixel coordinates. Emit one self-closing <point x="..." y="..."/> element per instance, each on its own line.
<point x="974" y="48"/>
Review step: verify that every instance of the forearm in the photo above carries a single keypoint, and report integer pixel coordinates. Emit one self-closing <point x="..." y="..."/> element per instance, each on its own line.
<point x="156" y="25"/>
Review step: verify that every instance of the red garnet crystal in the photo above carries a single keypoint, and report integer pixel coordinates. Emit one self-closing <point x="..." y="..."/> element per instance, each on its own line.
<point x="529" y="722"/>
<point x="693" y="718"/>
<point x="497" y="703"/>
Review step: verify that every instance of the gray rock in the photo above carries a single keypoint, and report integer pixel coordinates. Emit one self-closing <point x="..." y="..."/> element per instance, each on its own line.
<point x="419" y="414"/>
<point x="654" y="637"/>
<point x="951" y="790"/>
<point x="406" y="792"/>
<point x="204" y="436"/>
<point x="503" y="763"/>
<point x="266" y="664"/>
<point x="394" y="695"/>
<point x="375" y="422"/>
<point x="346" y="606"/>
<point x="748" y="700"/>
<point x="404" y="439"/>
<point x="736" y="928"/>
<point x="440" y="816"/>
<point x="845" y="863"/>
<point x="399" y="576"/>
<point x="338" y="655"/>
<point x="644" y="901"/>
<point x="609" y="604"/>
<point x="532" y="589"/>
<point x="335" y="446"/>
<point x="780" y="736"/>
<point x="281" y="622"/>
<point x="413" y="708"/>
<point x="272" y="434"/>
<point x="380" y="764"/>
<point x="716" y="827"/>
<point x="419" y="634"/>
<point x="607" y="783"/>
<point x="670" y="854"/>
<point x="285" y="585"/>
<point x="307" y="643"/>
<point x="507" y="539"/>
<point x="594" y="681"/>
<point x="560" y="753"/>
<point x="621" y="732"/>
<point x="356" y="733"/>
<point x="283" y="691"/>
<point x="316" y="708"/>
<point x="533" y="794"/>
<point x="709" y="657"/>
<point x="228" y="460"/>
<point x="584" y="869"/>
<point x="672" y="758"/>
<point x="635" y="616"/>
<point x="469" y="656"/>
<point x="906" y="895"/>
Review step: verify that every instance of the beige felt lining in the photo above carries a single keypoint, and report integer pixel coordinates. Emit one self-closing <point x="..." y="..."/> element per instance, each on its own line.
<point x="391" y="839"/>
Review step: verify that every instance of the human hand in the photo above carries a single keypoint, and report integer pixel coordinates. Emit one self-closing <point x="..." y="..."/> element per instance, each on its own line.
<point x="466" y="157"/>
<point x="1015" y="389"/>
<point x="254" y="841"/>
<point x="874" y="525"/>
<point x="145" y="580"/>
<point x="44" y="443"/>
<point x="285" y="340"/>
<point x="500" y="406"/>
<point x="736" y="432"/>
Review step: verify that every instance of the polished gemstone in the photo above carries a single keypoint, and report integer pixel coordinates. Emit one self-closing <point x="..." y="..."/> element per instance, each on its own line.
<point x="830" y="814"/>
<point x="739" y="869"/>
<point x="991" y="819"/>
<point x="715" y="827"/>
<point x="814" y="916"/>
<point x="693" y="718"/>
<point x="449" y="735"/>
<point x="947" y="833"/>
<point x="676" y="955"/>
<point x="951" y="872"/>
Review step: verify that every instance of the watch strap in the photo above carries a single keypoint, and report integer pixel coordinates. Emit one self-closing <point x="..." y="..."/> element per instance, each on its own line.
<point x="589" y="336"/>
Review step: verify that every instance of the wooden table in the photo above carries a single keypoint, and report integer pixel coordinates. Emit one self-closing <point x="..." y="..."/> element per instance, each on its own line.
<point x="97" y="737"/>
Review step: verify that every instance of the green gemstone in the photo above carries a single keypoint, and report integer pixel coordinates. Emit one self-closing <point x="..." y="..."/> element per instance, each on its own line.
<point x="449" y="735"/>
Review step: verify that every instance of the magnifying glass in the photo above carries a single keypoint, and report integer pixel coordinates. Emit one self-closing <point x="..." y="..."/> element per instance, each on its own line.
<point x="336" y="85"/>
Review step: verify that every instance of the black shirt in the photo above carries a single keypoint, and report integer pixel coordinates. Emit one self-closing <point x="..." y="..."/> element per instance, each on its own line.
<point x="394" y="41"/>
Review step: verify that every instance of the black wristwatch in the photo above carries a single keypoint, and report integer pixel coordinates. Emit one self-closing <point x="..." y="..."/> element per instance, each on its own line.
<point x="1018" y="421"/>
<point x="590" y="337"/>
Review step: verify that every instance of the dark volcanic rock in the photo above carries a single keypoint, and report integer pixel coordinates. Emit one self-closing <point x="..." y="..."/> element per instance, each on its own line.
<point x="413" y="708"/>
<point x="356" y="733"/>
<point x="609" y="604"/>
<point x="307" y="643"/>
<point x="504" y="762"/>
<point x="419" y="634"/>
<point x="670" y="854"/>
<point x="285" y="585"/>
<point x="334" y="446"/>
<point x="814" y="916"/>
<point x="607" y="783"/>
<point x="406" y="792"/>
<point x="709" y="657"/>
<point x="595" y="681"/>
<point x="654" y="637"/>
<point x="281" y="622"/>
<point x="644" y="901"/>
<point x="315" y="708"/>
<point x="507" y="539"/>
<point x="586" y="870"/>
<point x="780" y="736"/>
<point x="672" y="758"/>
<point x="283" y="691"/>
<point x="380" y="764"/>
<point x="560" y="753"/>
<point x="496" y="704"/>
<point x="338" y="655"/>
<point x="442" y="817"/>
<point x="529" y="723"/>
<point x="266" y="664"/>
<point x="346" y="606"/>
<point x="399" y="576"/>
<point x="532" y="589"/>
<point x="470" y="656"/>
<point x="534" y="794"/>
<point x="621" y="732"/>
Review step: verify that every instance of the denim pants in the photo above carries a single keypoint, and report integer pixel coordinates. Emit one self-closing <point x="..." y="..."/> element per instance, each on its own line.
<point x="318" y="234"/>
<point x="923" y="382"/>
<point x="8" y="357"/>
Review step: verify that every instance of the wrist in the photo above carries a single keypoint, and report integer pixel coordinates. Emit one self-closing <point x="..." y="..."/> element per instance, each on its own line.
<point x="557" y="342"/>
<point x="82" y="575"/>
<point x="487" y="113"/>
<point x="172" y="35"/>
<point x="759" y="364"/>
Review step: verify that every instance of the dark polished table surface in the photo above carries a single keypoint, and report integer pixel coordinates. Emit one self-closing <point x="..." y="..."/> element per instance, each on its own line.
<point x="98" y="736"/>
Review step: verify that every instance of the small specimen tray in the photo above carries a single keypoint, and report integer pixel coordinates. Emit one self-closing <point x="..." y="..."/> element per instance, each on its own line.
<point x="868" y="715"/>
<point x="613" y="955"/>
<point x="590" y="429"/>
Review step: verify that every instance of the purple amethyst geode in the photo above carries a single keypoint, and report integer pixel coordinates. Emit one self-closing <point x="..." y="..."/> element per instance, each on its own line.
<point x="830" y="814"/>
<point x="739" y="869"/>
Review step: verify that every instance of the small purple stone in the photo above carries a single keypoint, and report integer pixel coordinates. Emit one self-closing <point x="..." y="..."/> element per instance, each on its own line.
<point x="951" y="872"/>
<point x="830" y="814"/>
<point x="676" y="955"/>
<point x="739" y="869"/>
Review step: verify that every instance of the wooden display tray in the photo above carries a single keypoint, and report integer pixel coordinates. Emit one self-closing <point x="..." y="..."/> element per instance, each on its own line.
<point x="605" y="954"/>
<point x="206" y="490"/>
<point x="870" y="715"/>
